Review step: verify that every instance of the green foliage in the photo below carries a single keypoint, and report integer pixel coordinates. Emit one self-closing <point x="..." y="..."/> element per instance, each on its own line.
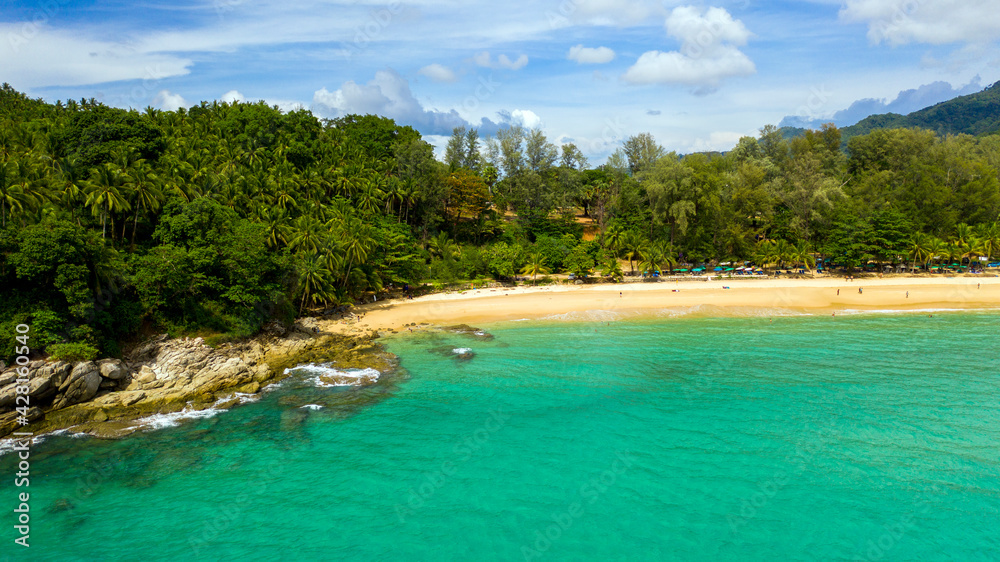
<point x="579" y="261"/>
<point x="502" y="260"/>
<point x="99" y="134"/>
<point x="216" y="218"/>
<point x="72" y="352"/>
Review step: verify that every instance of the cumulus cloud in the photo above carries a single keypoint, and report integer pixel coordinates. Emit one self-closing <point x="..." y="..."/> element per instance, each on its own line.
<point x="169" y="101"/>
<point x="899" y="22"/>
<point x="520" y="117"/>
<point x="906" y="102"/>
<point x="438" y="73"/>
<point x="232" y="96"/>
<point x="709" y="51"/>
<point x="389" y="95"/>
<point x="35" y="56"/>
<point x="653" y="112"/>
<point x="503" y="61"/>
<point x="588" y="55"/>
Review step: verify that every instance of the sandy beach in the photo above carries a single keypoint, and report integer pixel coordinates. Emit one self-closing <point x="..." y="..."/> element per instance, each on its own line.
<point x="738" y="297"/>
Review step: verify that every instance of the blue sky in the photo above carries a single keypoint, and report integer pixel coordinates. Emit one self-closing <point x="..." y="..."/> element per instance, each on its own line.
<point x="695" y="75"/>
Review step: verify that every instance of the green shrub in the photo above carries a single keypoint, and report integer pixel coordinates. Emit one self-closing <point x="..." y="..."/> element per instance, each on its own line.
<point x="72" y="352"/>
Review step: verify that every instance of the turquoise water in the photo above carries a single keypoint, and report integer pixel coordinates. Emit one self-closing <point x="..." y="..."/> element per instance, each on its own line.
<point x="868" y="437"/>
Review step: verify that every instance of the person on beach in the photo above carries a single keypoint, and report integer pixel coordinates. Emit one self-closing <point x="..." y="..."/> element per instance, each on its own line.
<point x="859" y="290"/>
<point x="838" y="292"/>
<point x="907" y="294"/>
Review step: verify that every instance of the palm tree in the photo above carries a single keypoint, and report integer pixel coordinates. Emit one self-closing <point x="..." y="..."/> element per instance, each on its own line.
<point x="935" y="248"/>
<point x="919" y="248"/>
<point x="800" y="253"/>
<point x="306" y="236"/>
<point x="314" y="280"/>
<point x="69" y="183"/>
<point x="11" y="196"/>
<point x="535" y="265"/>
<point x="146" y="194"/>
<point x="631" y="244"/>
<point x="104" y="194"/>
<point x="612" y="268"/>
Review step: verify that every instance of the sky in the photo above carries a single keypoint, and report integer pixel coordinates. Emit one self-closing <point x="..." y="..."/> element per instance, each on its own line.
<point x="697" y="76"/>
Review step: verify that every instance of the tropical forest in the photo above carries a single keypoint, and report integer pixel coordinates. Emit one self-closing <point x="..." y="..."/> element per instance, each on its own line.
<point x="218" y="219"/>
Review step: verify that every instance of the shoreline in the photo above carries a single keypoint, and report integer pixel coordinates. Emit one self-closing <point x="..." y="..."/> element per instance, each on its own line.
<point x="718" y="297"/>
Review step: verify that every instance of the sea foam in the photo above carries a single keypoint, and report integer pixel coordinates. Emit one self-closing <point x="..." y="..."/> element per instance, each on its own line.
<point x="325" y="376"/>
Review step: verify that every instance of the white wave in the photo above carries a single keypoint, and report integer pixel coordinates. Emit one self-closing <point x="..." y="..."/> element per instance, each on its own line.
<point x="462" y="350"/>
<point x="312" y="407"/>
<point x="853" y="311"/>
<point x="480" y="333"/>
<point x="9" y="445"/>
<point x="586" y="316"/>
<point x="325" y="376"/>
<point x="161" y="421"/>
<point x="240" y="397"/>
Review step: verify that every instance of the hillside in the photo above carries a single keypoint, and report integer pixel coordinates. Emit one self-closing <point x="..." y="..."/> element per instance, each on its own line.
<point x="974" y="114"/>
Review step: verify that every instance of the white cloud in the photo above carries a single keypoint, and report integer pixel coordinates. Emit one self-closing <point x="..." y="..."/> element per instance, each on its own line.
<point x="588" y="55"/>
<point x="899" y="22"/>
<point x="603" y="12"/>
<point x="906" y="102"/>
<point x="168" y="101"/>
<point x="438" y="73"/>
<point x="503" y="61"/>
<point x="36" y="56"/>
<point x="232" y="96"/>
<point x="523" y="117"/>
<point x="721" y="141"/>
<point x="389" y="95"/>
<point x="709" y="51"/>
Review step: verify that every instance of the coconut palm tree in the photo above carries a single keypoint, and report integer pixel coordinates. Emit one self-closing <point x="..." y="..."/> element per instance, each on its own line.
<point x="535" y="265"/>
<point x="11" y="197"/>
<point x="936" y="248"/>
<point x="612" y="268"/>
<point x="919" y="248"/>
<point x="104" y="194"/>
<point x="145" y="192"/>
<point x="315" y="280"/>
<point x="630" y="245"/>
<point x="801" y="253"/>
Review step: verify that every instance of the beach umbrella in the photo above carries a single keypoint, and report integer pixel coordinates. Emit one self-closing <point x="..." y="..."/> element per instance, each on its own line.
<point x="698" y="269"/>
<point x="729" y="269"/>
<point x="717" y="269"/>
<point x="680" y="269"/>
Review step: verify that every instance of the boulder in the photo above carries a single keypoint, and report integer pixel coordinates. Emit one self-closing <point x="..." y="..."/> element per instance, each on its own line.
<point x="47" y="379"/>
<point x="113" y="369"/>
<point x="7" y="377"/>
<point x="8" y="396"/>
<point x="81" y="385"/>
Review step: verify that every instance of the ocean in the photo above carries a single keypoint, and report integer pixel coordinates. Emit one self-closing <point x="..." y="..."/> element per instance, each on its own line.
<point x="790" y="437"/>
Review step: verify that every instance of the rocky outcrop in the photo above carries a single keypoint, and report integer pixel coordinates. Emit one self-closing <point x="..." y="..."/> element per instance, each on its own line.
<point x="162" y="375"/>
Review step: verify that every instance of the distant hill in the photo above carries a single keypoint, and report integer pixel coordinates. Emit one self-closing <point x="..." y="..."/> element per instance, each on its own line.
<point x="974" y="114"/>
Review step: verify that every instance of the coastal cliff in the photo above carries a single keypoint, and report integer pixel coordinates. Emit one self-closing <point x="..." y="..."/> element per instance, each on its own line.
<point x="163" y="375"/>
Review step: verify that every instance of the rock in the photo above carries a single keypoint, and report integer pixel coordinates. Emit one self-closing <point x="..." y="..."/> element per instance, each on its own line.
<point x="8" y="395"/>
<point x="146" y="375"/>
<point x="7" y="377"/>
<point x="108" y="384"/>
<point x="250" y="388"/>
<point x="81" y="385"/>
<point x="100" y="416"/>
<point x="113" y="369"/>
